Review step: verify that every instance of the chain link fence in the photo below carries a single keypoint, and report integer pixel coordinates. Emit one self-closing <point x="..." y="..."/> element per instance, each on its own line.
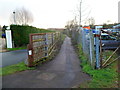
<point x="91" y="43"/>
<point x="85" y="38"/>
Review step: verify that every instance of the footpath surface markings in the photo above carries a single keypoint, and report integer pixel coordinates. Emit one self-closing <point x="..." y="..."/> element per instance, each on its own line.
<point x="62" y="72"/>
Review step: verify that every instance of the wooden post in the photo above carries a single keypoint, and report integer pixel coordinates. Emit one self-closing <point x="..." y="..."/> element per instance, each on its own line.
<point x="46" y="48"/>
<point x="30" y="55"/>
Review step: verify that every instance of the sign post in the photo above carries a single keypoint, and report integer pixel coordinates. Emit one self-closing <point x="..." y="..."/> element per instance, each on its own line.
<point x="8" y="38"/>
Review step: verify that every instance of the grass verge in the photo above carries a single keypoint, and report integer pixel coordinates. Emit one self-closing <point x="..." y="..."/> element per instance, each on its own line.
<point x="102" y="78"/>
<point x="17" y="48"/>
<point x="14" y="68"/>
<point x="63" y="37"/>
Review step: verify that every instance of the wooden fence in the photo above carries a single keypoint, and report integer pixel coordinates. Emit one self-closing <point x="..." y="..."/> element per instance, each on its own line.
<point x="42" y="47"/>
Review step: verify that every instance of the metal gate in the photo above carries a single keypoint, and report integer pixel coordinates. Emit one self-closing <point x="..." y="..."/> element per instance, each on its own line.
<point x="42" y="46"/>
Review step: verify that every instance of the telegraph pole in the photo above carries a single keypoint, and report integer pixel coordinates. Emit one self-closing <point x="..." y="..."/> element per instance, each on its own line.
<point x="80" y="13"/>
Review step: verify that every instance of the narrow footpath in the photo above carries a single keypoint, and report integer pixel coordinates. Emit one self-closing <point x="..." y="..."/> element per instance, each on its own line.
<point x="62" y="72"/>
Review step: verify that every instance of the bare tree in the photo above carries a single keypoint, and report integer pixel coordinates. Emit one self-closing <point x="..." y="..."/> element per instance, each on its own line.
<point x="71" y="24"/>
<point x="21" y="16"/>
<point x="83" y="11"/>
<point x="90" y="21"/>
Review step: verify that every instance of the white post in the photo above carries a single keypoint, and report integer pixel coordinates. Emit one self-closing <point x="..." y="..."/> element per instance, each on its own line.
<point x="8" y="38"/>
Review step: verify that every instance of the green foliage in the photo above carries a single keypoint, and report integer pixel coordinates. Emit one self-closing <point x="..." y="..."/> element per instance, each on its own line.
<point x="106" y="26"/>
<point x="4" y="28"/>
<point x="20" y="33"/>
<point x="14" y="68"/>
<point x="19" y="48"/>
<point x="63" y="37"/>
<point x="92" y="26"/>
<point x="102" y="78"/>
<point x="107" y="53"/>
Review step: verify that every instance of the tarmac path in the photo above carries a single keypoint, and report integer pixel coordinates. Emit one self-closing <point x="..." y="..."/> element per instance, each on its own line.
<point x="13" y="57"/>
<point x="63" y="71"/>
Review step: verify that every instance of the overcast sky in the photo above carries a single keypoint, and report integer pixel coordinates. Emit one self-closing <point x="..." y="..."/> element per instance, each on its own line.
<point x="56" y="13"/>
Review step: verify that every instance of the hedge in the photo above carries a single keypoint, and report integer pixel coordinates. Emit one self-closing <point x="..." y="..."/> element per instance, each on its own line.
<point x="20" y="34"/>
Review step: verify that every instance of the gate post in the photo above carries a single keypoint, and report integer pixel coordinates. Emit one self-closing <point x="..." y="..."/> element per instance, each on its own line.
<point x="97" y="42"/>
<point x="92" y="59"/>
<point x="97" y="51"/>
<point x="30" y="55"/>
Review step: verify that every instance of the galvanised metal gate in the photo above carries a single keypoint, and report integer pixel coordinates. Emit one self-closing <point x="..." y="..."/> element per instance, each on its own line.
<point x="42" y="47"/>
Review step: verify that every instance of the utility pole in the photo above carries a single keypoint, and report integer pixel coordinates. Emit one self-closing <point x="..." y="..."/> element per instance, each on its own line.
<point x="80" y="13"/>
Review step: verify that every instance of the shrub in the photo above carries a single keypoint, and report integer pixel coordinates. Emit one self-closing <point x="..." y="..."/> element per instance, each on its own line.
<point x="20" y="34"/>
